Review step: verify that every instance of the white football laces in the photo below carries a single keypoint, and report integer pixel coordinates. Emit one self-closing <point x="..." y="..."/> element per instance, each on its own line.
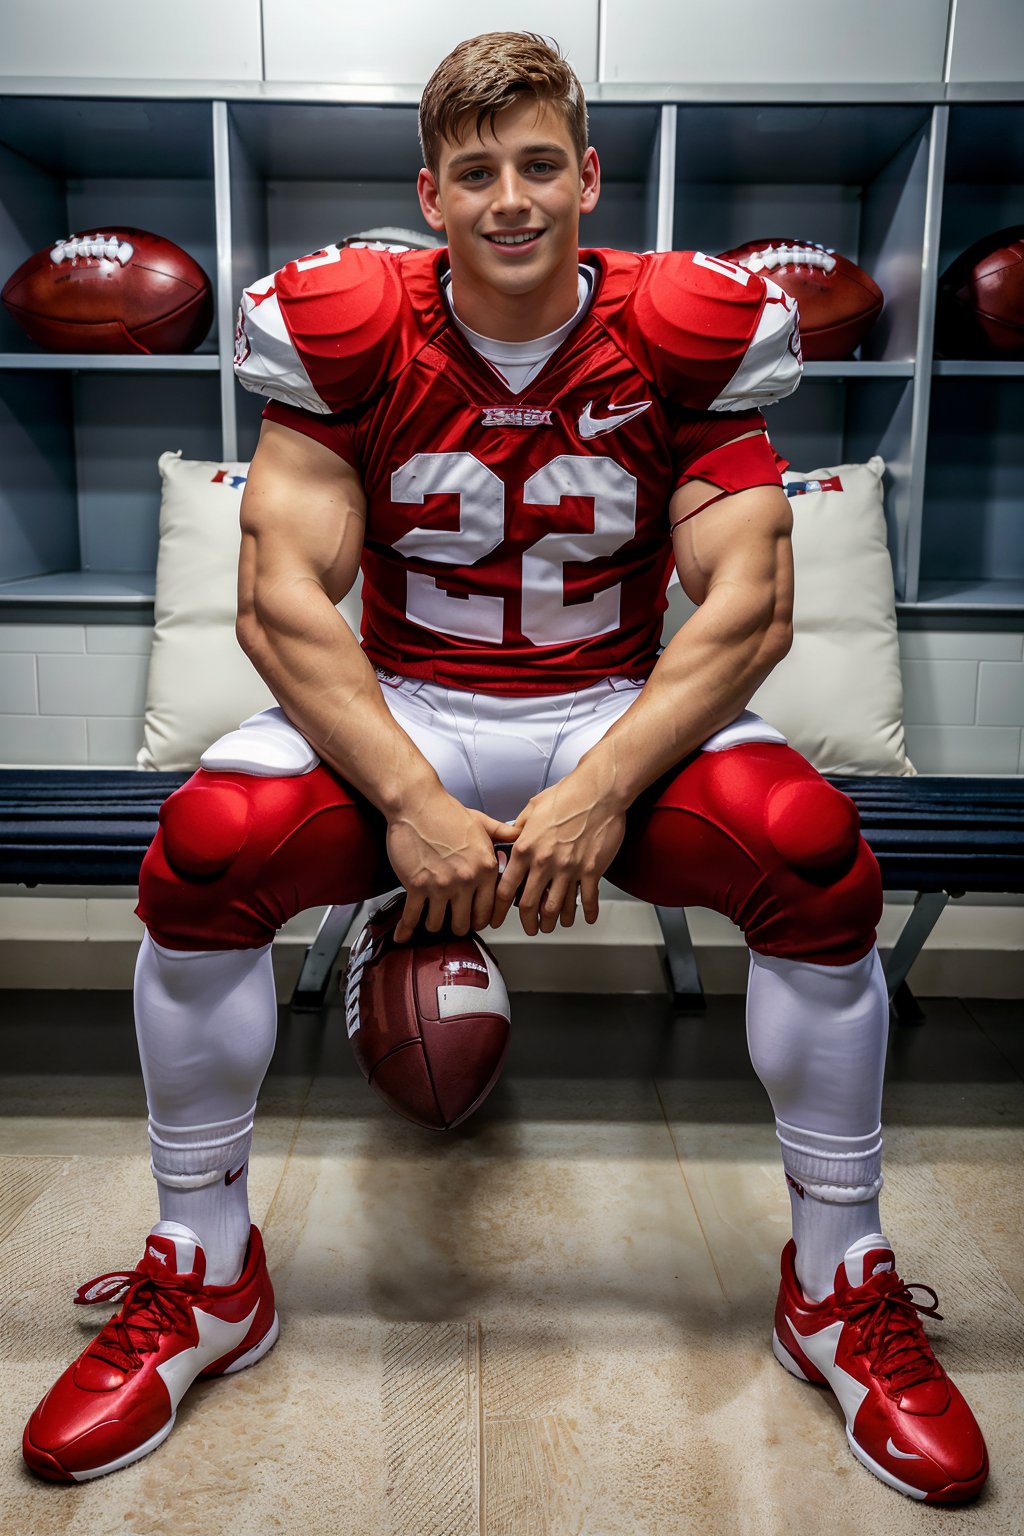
<point x="108" y="247"/>
<point x="775" y="256"/>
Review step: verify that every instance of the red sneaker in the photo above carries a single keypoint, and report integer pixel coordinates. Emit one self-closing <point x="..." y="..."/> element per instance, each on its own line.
<point x="119" y="1399"/>
<point x="905" y="1420"/>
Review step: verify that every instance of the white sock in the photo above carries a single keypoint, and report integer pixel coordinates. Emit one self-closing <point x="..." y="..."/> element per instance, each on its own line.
<point x="215" y="1205"/>
<point x="817" y="1036"/>
<point x="206" y="1023"/>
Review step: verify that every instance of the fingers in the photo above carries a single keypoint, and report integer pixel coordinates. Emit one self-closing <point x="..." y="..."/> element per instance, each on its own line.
<point x="530" y="900"/>
<point x="507" y="888"/>
<point x="589" y="892"/>
<point x="414" y="904"/>
<point x="568" y="914"/>
<point x="502" y="831"/>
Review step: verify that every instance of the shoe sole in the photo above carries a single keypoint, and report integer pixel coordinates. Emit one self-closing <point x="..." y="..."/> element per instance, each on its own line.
<point x="49" y="1467"/>
<point x="953" y="1493"/>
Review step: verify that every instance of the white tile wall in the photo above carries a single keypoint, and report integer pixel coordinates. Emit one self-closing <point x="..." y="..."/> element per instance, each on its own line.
<point x="963" y="701"/>
<point x="74" y="694"/>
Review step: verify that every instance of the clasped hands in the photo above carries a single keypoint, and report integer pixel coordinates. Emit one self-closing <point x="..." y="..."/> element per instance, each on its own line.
<point x="560" y="844"/>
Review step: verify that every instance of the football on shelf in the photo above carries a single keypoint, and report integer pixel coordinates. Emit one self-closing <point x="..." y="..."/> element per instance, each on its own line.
<point x="428" y="1019"/>
<point x="838" y="301"/>
<point x="980" y="309"/>
<point x="389" y="237"/>
<point x="116" y="289"/>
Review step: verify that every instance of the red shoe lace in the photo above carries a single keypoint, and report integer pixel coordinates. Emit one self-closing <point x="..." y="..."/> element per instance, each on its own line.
<point x="886" y="1317"/>
<point x="150" y="1307"/>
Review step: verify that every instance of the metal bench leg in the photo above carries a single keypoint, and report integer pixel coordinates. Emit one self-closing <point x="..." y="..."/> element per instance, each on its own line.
<point x="927" y="909"/>
<point x="311" y="987"/>
<point x="680" y="960"/>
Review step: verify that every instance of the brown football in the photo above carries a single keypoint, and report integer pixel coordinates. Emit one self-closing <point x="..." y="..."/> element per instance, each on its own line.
<point x="981" y="299"/>
<point x="838" y="301"/>
<point x="113" y="290"/>
<point x="428" y="1020"/>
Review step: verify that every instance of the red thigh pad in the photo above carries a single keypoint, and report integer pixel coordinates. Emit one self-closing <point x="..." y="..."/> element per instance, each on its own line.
<point x="236" y="855"/>
<point x="755" y="832"/>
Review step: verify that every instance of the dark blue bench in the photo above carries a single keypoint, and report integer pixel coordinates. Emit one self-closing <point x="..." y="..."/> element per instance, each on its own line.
<point x="937" y="837"/>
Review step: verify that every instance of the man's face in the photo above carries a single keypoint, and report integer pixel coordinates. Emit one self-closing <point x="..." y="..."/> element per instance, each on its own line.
<point x="510" y="201"/>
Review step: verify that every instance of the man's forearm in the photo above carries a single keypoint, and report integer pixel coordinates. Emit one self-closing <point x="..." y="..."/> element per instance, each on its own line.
<point x="703" y="679"/>
<point x="315" y="668"/>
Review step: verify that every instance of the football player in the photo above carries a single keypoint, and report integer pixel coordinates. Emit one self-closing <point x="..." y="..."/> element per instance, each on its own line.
<point x="516" y="441"/>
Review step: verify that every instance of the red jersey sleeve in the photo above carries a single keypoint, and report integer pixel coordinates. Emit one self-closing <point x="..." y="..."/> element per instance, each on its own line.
<point x="335" y="433"/>
<point x="732" y="452"/>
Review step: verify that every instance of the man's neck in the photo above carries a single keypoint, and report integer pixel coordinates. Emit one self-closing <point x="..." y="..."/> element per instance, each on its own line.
<point x="516" y="316"/>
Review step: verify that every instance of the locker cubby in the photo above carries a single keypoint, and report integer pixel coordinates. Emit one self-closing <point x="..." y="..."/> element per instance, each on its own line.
<point x="972" y="540"/>
<point x="983" y="188"/>
<point x="848" y="177"/>
<point x="69" y="165"/>
<point x="81" y="516"/>
<point x="832" y="421"/>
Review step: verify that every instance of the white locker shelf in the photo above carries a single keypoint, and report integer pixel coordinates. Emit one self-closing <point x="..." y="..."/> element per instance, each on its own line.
<point x="84" y="362"/>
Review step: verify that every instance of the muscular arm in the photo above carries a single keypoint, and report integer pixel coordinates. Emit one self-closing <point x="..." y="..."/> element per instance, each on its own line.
<point x="303" y="517"/>
<point x="734" y="560"/>
<point x="303" y="520"/>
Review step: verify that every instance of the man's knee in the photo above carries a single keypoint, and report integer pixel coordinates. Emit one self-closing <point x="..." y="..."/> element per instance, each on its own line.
<point x="756" y="833"/>
<point x="260" y="832"/>
<point x="822" y="881"/>
<point x="198" y="882"/>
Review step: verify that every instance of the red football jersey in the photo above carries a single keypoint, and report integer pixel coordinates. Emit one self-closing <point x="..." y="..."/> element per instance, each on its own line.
<point x="519" y="544"/>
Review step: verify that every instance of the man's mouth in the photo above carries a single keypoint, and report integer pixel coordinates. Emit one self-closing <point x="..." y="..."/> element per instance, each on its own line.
<point x="516" y="239"/>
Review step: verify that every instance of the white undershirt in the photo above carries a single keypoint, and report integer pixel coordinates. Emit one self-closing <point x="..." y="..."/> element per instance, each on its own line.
<point x="519" y="362"/>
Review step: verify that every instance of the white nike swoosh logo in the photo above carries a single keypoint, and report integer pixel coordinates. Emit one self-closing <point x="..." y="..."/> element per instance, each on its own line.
<point x="903" y="1455"/>
<point x="216" y="1338"/>
<point x="589" y="427"/>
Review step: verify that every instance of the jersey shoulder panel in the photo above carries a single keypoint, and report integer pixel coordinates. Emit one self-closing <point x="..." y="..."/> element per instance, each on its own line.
<point x="331" y="330"/>
<point x="708" y="334"/>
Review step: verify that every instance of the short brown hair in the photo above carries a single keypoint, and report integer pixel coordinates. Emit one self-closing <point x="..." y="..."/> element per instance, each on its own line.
<point x="484" y="75"/>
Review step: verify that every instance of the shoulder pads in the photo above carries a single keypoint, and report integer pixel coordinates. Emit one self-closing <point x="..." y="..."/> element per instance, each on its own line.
<point x="709" y="334"/>
<point x="329" y="331"/>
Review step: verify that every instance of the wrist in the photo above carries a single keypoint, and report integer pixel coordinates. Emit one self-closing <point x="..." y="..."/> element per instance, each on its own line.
<point x="600" y="776"/>
<point x="409" y="787"/>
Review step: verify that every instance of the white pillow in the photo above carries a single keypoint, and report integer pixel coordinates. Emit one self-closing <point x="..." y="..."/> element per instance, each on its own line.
<point x="201" y="684"/>
<point x="838" y="695"/>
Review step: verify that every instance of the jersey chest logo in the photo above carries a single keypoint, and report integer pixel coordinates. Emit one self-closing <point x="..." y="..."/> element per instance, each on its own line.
<point x="589" y="426"/>
<point x="514" y="416"/>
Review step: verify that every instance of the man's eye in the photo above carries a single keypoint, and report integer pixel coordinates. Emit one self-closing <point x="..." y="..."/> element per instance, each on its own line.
<point x="476" y="174"/>
<point x="539" y="167"/>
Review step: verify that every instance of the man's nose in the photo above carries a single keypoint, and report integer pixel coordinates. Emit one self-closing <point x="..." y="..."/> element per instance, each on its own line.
<point x="510" y="193"/>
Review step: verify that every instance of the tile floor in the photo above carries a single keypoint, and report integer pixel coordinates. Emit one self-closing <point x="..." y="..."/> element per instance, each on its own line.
<point x="554" y="1322"/>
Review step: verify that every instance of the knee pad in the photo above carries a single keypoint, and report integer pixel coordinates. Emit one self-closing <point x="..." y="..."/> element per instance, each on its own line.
<point x="812" y="827"/>
<point x="770" y="843"/>
<point x="204" y="827"/>
<point x="206" y="822"/>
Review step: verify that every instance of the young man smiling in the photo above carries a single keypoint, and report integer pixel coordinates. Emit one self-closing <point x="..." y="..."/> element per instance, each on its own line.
<point x="514" y="440"/>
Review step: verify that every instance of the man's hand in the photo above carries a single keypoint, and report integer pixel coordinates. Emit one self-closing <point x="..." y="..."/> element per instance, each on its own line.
<point x="444" y="856"/>
<point x="566" y="837"/>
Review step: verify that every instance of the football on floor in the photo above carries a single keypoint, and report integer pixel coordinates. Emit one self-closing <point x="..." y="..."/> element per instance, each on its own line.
<point x="428" y="1019"/>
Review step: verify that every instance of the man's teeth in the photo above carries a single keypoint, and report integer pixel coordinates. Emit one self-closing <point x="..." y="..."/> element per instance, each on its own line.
<point x="512" y="239"/>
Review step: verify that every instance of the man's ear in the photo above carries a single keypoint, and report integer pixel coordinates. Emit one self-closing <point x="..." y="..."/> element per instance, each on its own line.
<point x="430" y="200"/>
<point x="590" y="176"/>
